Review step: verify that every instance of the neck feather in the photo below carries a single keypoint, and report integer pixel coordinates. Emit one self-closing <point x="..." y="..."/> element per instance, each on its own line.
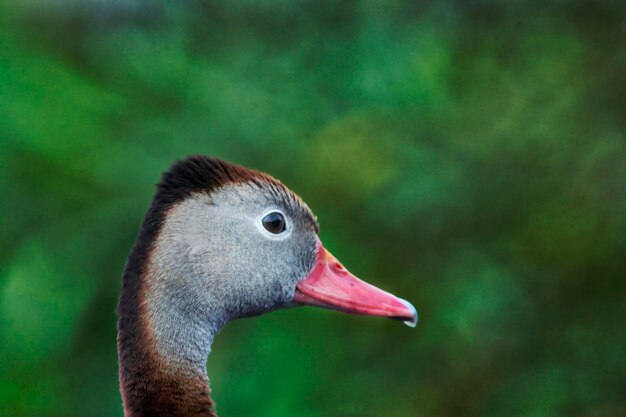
<point x="156" y="380"/>
<point x="163" y="343"/>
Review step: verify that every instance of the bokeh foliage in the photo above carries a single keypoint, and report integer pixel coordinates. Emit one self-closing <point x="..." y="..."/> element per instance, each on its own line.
<point x="467" y="155"/>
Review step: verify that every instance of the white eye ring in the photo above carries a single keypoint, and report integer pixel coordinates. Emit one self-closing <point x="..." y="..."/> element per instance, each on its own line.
<point x="279" y="221"/>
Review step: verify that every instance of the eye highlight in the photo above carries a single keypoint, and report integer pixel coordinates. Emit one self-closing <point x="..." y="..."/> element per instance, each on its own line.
<point x="274" y="222"/>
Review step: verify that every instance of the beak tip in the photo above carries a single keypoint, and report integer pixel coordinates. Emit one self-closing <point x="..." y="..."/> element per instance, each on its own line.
<point x="412" y="322"/>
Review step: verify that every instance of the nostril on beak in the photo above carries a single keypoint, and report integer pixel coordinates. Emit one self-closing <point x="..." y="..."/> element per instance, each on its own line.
<point x="338" y="266"/>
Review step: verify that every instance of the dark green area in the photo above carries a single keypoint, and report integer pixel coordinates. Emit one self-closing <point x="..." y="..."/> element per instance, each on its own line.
<point x="469" y="156"/>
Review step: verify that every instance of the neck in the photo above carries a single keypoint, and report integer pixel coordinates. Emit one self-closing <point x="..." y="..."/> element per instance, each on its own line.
<point x="164" y="340"/>
<point x="154" y="380"/>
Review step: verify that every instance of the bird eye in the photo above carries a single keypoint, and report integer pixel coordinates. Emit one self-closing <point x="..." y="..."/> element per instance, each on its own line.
<point x="274" y="222"/>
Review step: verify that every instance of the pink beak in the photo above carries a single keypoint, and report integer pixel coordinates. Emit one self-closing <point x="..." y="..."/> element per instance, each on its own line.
<point x="330" y="285"/>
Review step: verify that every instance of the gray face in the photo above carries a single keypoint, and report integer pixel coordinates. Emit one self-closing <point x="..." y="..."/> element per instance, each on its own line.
<point x="214" y="261"/>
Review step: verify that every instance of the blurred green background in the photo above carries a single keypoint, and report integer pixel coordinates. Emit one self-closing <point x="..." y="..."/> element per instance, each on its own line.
<point x="469" y="156"/>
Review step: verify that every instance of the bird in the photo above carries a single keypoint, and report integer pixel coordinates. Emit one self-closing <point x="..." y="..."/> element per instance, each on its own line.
<point x="220" y="242"/>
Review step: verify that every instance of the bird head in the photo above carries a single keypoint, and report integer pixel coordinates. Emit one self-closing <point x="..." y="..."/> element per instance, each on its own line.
<point x="241" y="244"/>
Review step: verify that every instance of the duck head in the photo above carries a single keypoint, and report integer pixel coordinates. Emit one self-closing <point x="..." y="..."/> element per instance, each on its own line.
<point x="248" y="245"/>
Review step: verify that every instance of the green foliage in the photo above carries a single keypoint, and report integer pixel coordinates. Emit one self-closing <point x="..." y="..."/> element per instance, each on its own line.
<point x="469" y="156"/>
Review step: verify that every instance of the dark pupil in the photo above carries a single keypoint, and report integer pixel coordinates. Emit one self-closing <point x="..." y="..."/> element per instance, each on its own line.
<point x="274" y="223"/>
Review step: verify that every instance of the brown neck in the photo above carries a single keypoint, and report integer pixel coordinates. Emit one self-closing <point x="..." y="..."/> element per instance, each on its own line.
<point x="149" y="385"/>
